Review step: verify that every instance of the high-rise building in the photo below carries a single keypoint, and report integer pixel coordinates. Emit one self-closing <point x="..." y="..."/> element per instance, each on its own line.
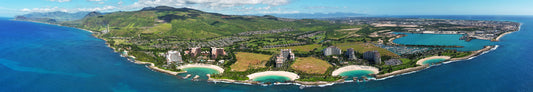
<point x="350" y="53"/>
<point x="285" y="55"/>
<point x="372" y="56"/>
<point x="195" y="51"/>
<point x="215" y="52"/>
<point x="174" y="56"/>
<point x="332" y="50"/>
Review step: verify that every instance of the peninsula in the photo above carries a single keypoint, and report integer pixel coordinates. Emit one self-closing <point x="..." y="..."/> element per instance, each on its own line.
<point x="271" y="50"/>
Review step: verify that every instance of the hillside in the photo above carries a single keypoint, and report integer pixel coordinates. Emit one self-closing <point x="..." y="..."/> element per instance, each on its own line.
<point x="162" y="21"/>
<point x="52" y="16"/>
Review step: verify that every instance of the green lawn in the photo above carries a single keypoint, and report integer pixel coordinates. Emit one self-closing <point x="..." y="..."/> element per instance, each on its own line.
<point x="363" y="47"/>
<point x="302" y="48"/>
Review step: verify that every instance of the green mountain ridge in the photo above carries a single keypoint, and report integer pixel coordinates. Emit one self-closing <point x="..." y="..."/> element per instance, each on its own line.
<point x="186" y="23"/>
<point x="53" y="16"/>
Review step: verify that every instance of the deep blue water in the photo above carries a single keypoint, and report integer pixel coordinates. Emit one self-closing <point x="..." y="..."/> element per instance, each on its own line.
<point x="40" y="57"/>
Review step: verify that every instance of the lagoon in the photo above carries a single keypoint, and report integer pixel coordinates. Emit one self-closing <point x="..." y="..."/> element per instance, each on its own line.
<point x="271" y="78"/>
<point x="433" y="61"/>
<point x="442" y="39"/>
<point x="356" y="73"/>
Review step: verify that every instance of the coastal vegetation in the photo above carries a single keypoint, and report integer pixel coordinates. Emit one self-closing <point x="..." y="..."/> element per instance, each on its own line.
<point x="363" y="47"/>
<point x="252" y="43"/>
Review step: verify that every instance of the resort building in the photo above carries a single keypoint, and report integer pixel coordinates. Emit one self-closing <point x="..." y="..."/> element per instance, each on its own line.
<point x="393" y="62"/>
<point x="372" y="56"/>
<point x="174" y="56"/>
<point x="332" y="50"/>
<point x="125" y="53"/>
<point x="195" y="51"/>
<point x="350" y="53"/>
<point x="217" y="51"/>
<point x="285" y="55"/>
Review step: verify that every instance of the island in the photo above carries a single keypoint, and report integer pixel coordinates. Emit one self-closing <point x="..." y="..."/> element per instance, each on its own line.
<point x="267" y="50"/>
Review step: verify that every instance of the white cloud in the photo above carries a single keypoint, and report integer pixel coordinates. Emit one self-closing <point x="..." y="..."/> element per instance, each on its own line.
<point x="60" y="1"/>
<point x="53" y="9"/>
<point x="105" y="8"/>
<point x="220" y="6"/>
<point x="206" y="3"/>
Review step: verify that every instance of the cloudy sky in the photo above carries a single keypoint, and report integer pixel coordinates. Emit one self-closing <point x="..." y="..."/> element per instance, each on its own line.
<point x="10" y="8"/>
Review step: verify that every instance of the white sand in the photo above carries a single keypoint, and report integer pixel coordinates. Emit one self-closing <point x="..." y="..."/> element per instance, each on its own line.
<point x="152" y="66"/>
<point x="290" y="75"/>
<point x="354" y="67"/>
<point x="219" y="69"/>
<point x="421" y="61"/>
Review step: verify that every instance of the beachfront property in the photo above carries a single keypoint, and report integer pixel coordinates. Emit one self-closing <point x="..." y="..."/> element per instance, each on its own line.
<point x="332" y="50"/>
<point x="195" y="51"/>
<point x="125" y="53"/>
<point x="393" y="62"/>
<point x="285" y="55"/>
<point x="174" y="57"/>
<point x="217" y="51"/>
<point x="372" y="56"/>
<point x="350" y="53"/>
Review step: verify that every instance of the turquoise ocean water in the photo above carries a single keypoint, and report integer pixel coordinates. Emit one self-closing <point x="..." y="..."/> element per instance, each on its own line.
<point x="41" y="57"/>
<point x="443" y="40"/>
<point x="272" y="79"/>
<point x="433" y="61"/>
<point x="356" y="73"/>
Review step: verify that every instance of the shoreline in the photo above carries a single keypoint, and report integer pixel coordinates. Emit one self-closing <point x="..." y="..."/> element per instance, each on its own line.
<point x="218" y="68"/>
<point x="290" y="75"/>
<point x="421" y="61"/>
<point x="501" y="35"/>
<point x="354" y="68"/>
<point x="414" y="69"/>
<point x="152" y="66"/>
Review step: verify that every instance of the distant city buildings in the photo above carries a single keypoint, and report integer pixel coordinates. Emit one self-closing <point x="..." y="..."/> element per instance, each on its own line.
<point x="350" y="54"/>
<point x="372" y="56"/>
<point x="195" y="51"/>
<point x="393" y="62"/>
<point x="332" y="50"/>
<point x="174" y="56"/>
<point x="215" y="52"/>
<point x="285" y="54"/>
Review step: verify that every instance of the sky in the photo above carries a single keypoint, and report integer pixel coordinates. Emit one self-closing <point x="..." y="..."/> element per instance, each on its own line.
<point x="10" y="8"/>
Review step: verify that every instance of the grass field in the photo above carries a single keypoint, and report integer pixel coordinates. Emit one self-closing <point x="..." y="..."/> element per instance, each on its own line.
<point x="310" y="65"/>
<point x="298" y="48"/>
<point x="247" y="60"/>
<point x="342" y="33"/>
<point x="363" y="47"/>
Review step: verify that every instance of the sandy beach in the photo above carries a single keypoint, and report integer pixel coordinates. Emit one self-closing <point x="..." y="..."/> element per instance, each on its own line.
<point x="421" y="61"/>
<point x="498" y="38"/>
<point x="153" y="67"/>
<point x="354" y="67"/>
<point x="290" y="75"/>
<point x="218" y="68"/>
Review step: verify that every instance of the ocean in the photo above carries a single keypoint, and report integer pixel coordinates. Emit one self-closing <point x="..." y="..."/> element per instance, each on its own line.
<point x="42" y="57"/>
